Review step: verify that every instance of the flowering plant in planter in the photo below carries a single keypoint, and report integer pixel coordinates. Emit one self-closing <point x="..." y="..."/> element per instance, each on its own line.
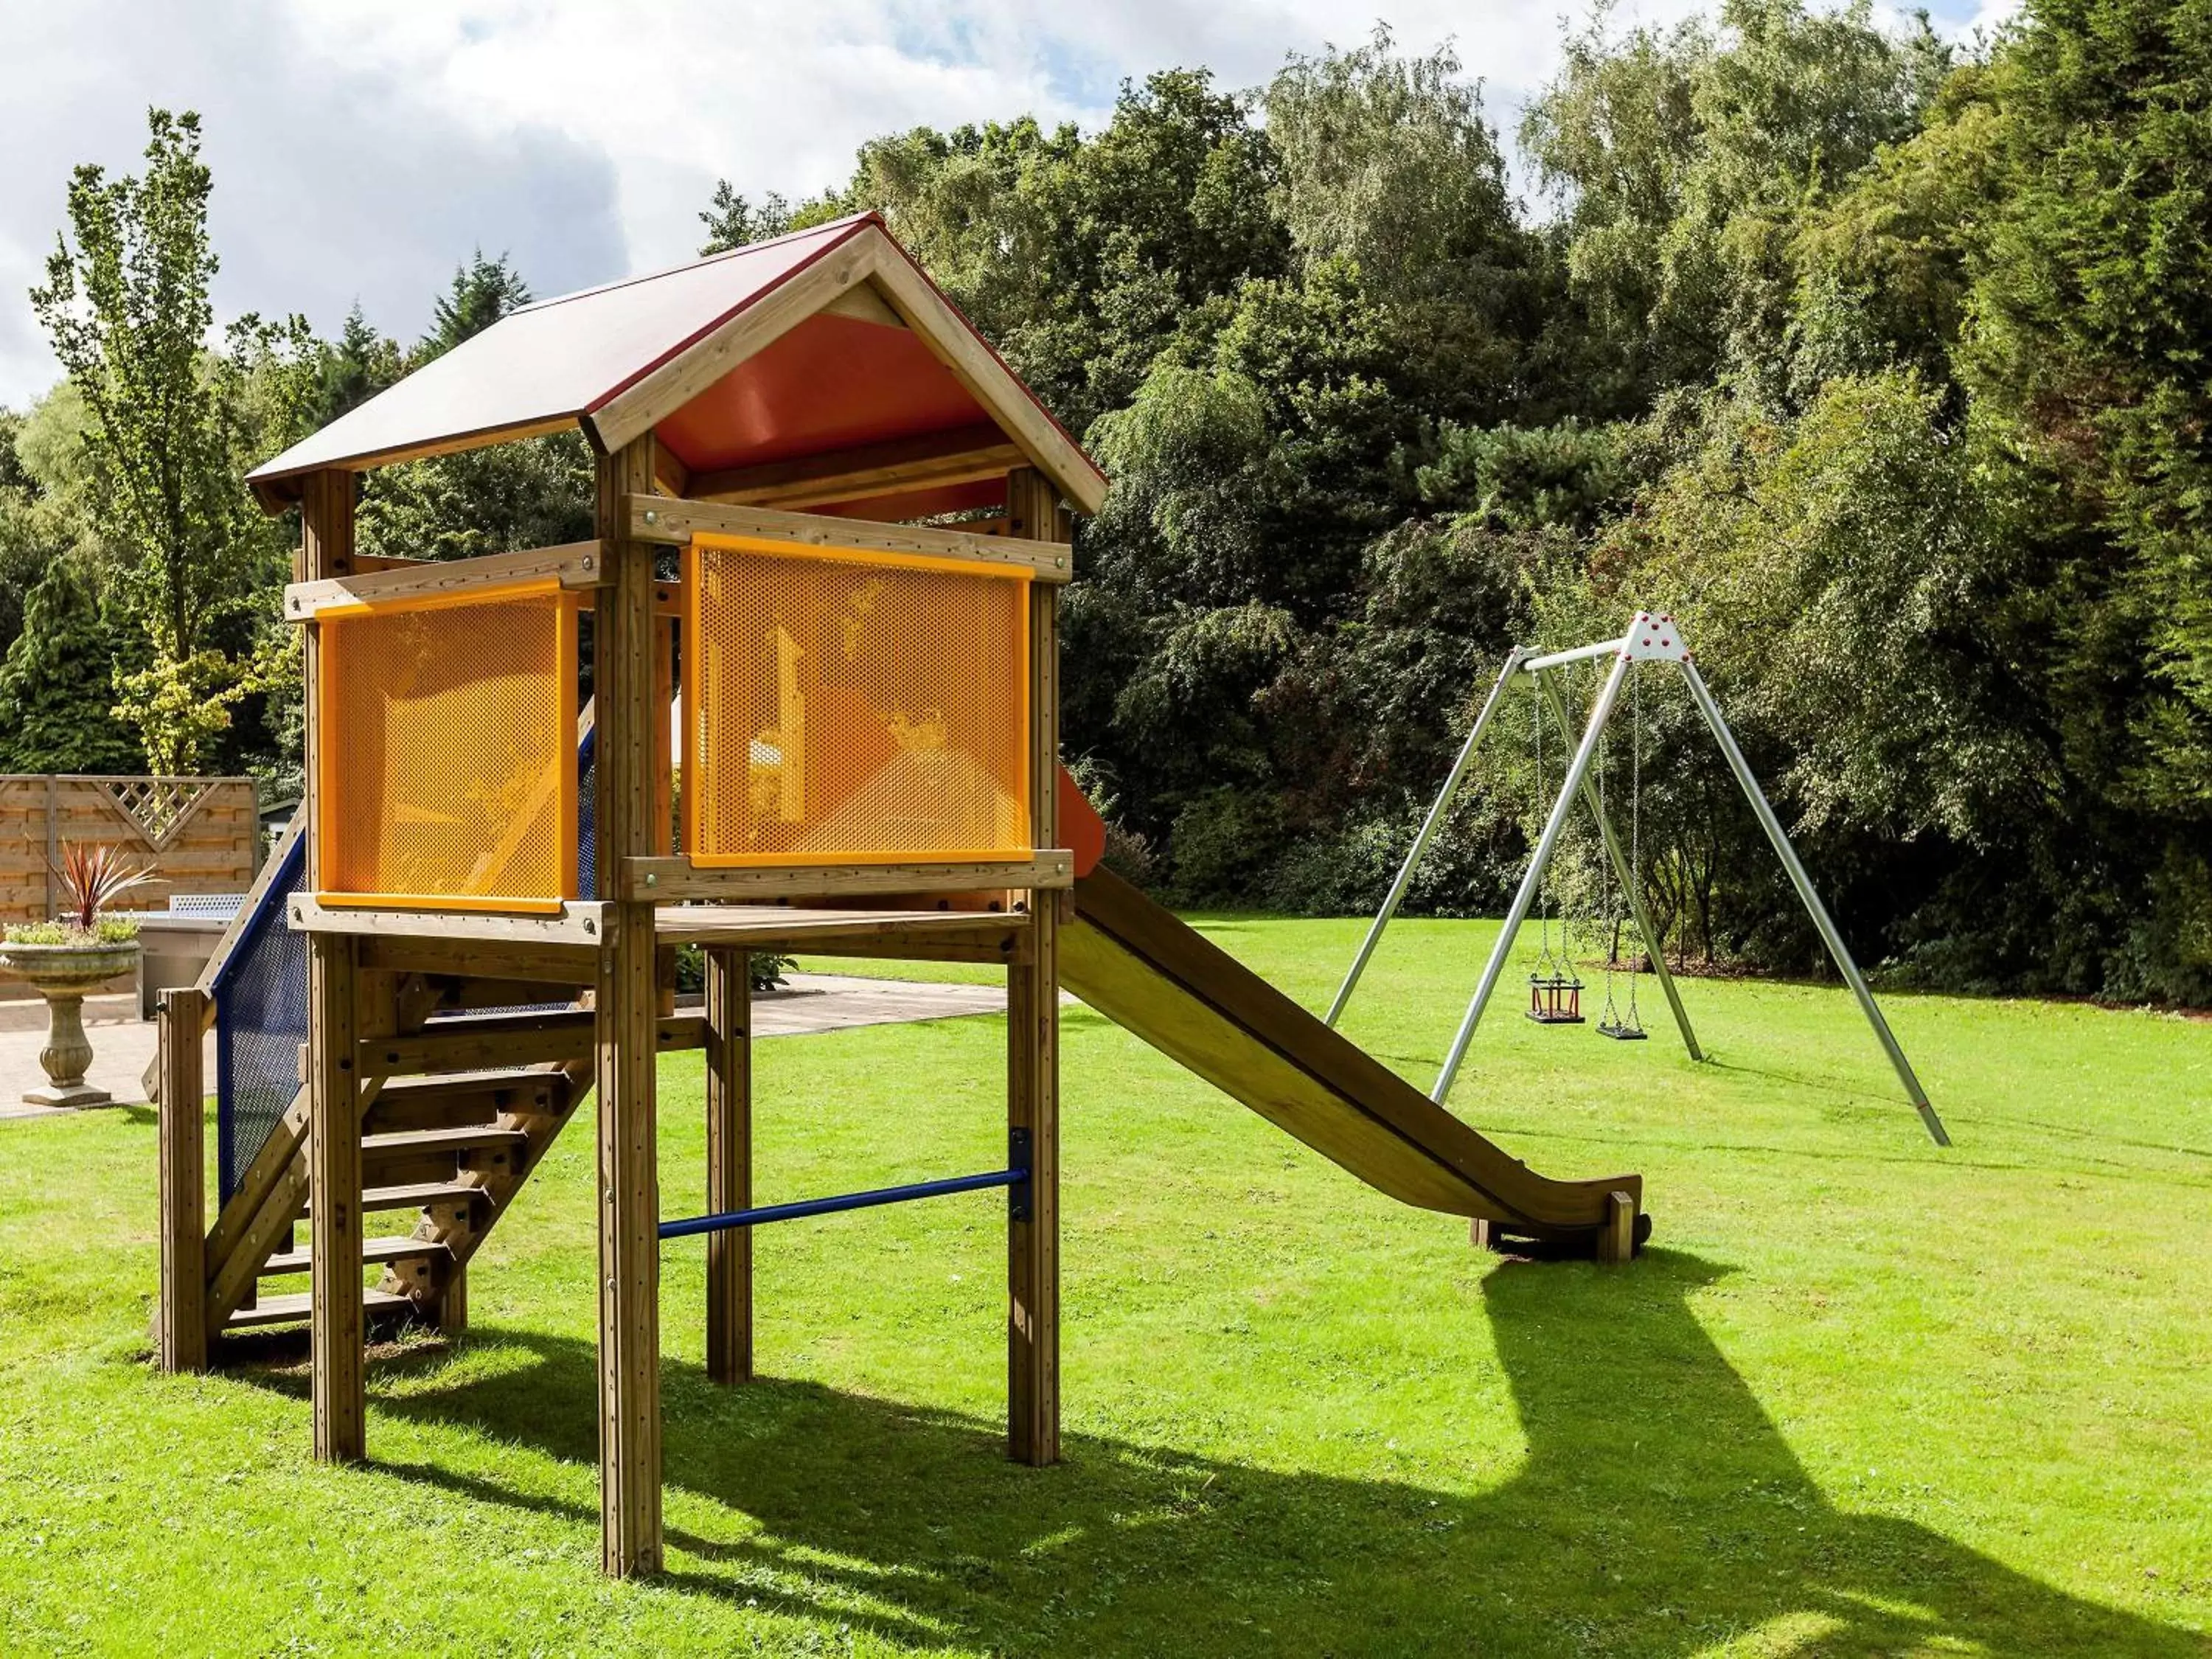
<point x="77" y="952"/>
<point x="90" y="878"/>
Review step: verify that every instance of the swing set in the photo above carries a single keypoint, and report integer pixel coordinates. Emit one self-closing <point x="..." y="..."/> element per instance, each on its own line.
<point x="1554" y="986"/>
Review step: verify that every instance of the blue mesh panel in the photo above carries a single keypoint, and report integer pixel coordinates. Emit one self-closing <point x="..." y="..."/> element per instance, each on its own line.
<point x="261" y="1020"/>
<point x="587" y="819"/>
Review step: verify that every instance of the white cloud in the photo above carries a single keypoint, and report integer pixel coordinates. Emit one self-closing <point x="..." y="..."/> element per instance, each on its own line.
<point x="361" y="147"/>
<point x="333" y="179"/>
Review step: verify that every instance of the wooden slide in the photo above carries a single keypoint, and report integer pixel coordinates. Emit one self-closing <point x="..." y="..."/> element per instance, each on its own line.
<point x="1136" y="964"/>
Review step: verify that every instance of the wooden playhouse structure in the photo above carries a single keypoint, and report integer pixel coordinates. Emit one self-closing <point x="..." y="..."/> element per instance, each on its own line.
<point x="830" y="528"/>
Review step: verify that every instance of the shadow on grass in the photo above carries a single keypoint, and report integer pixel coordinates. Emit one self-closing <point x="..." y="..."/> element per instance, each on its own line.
<point x="1657" y="1511"/>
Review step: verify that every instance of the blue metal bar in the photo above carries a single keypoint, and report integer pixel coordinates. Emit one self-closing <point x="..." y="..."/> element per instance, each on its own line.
<point x="869" y="1201"/>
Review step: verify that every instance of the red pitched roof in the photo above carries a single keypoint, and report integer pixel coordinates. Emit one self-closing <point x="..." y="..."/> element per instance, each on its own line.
<point x="834" y="381"/>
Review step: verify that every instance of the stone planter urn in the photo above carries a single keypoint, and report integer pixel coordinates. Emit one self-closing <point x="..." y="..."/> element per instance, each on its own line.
<point x="63" y="975"/>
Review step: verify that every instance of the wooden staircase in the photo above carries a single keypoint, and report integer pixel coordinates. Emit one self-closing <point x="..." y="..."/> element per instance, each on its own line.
<point x="460" y="1104"/>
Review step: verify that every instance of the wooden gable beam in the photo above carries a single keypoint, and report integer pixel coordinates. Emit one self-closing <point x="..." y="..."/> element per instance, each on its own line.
<point x="930" y="462"/>
<point x="864" y="302"/>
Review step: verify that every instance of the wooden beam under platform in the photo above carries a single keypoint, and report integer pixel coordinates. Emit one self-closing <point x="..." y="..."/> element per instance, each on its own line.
<point x="787" y="929"/>
<point x="668" y="879"/>
<point x="935" y="935"/>
<point x="581" y="922"/>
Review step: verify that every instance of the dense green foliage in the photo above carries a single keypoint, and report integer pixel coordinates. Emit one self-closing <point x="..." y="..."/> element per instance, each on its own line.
<point x="1883" y="368"/>
<point x="1882" y="364"/>
<point x="57" y="681"/>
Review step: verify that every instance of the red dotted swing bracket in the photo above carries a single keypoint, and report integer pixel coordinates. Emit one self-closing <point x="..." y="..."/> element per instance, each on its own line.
<point x="1653" y="636"/>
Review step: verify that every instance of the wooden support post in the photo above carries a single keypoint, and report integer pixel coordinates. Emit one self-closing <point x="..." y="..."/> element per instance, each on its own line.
<point x="1616" y="1239"/>
<point x="625" y="1005"/>
<point x="729" y="1165"/>
<point x="181" y="1328"/>
<point x="326" y="517"/>
<point x="334" y="1231"/>
<point x="453" y="1302"/>
<point x="1033" y="1043"/>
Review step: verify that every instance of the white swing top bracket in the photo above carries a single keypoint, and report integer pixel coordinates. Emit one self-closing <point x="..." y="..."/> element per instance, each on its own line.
<point x="1653" y="637"/>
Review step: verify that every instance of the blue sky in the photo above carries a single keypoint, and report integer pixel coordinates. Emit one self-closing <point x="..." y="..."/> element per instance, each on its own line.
<point x="362" y="148"/>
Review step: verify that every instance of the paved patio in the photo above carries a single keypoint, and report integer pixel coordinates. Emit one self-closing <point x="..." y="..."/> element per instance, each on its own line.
<point x="123" y="1044"/>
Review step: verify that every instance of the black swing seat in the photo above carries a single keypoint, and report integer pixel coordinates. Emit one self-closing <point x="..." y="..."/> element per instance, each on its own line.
<point x="1621" y="1033"/>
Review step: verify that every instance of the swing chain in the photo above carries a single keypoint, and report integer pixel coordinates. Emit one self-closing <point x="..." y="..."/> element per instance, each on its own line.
<point x="1546" y="964"/>
<point x="1608" y="919"/>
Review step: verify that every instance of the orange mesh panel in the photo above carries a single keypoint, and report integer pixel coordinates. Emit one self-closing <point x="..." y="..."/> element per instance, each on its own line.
<point x="448" y="761"/>
<point x="848" y="708"/>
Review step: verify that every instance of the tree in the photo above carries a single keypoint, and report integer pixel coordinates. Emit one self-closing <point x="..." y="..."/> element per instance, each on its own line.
<point x="360" y="364"/>
<point x="1081" y="259"/>
<point x="534" y="493"/>
<point x="36" y="524"/>
<point x="733" y="222"/>
<point x="2092" y="323"/>
<point x="483" y="291"/>
<point x="1680" y="160"/>
<point x="172" y="423"/>
<point x="1387" y="162"/>
<point x="56" y="683"/>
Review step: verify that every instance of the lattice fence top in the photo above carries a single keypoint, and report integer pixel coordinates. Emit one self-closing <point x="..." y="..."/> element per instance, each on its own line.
<point x="158" y="807"/>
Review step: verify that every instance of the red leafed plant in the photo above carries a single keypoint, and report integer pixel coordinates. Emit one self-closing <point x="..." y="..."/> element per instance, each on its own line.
<point x="91" y="877"/>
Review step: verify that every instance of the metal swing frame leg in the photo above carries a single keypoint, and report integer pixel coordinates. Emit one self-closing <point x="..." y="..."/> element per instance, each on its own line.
<point x="1838" y="951"/>
<point x="1427" y="833"/>
<point x="1621" y="872"/>
<point x="1525" y="896"/>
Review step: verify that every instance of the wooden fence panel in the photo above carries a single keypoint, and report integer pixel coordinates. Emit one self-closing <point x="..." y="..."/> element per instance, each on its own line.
<point x="201" y="835"/>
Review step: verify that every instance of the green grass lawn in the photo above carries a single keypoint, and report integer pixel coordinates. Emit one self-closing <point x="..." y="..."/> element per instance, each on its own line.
<point x="1859" y="1397"/>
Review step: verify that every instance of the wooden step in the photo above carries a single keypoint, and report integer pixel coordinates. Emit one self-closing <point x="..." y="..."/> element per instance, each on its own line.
<point x="483" y="1081"/>
<point x="299" y="1307"/>
<point x="396" y="1247"/>
<point x="448" y="1099"/>
<point x="413" y="1195"/>
<point x="490" y="1079"/>
<point x="460" y="1138"/>
<point x="477" y="1043"/>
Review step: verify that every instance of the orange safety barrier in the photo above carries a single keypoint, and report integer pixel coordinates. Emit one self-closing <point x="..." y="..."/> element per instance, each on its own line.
<point x="849" y="706"/>
<point x="448" y="764"/>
